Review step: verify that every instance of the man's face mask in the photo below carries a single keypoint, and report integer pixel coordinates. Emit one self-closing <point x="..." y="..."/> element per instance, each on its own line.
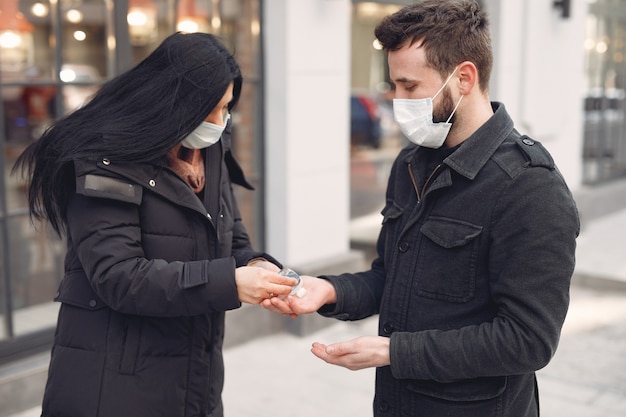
<point x="415" y="118"/>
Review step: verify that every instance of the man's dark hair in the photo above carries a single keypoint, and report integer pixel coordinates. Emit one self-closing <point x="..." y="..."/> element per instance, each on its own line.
<point x="451" y="31"/>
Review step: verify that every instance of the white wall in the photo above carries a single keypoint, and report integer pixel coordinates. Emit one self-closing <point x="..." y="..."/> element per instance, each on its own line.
<point x="307" y="67"/>
<point x="539" y="75"/>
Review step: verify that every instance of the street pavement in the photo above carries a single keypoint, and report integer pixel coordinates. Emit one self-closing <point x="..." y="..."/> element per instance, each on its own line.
<point x="278" y="376"/>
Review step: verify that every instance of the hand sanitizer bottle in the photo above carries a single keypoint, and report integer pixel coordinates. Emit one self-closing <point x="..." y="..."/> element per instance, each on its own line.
<point x="298" y="290"/>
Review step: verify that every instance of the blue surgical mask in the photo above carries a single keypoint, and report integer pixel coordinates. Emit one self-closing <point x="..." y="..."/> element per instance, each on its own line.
<point x="205" y="135"/>
<point x="415" y="118"/>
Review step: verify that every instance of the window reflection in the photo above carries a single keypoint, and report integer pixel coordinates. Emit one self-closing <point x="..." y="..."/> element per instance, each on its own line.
<point x="604" y="151"/>
<point x="193" y="16"/>
<point x="16" y="38"/>
<point x="35" y="265"/>
<point x="142" y="22"/>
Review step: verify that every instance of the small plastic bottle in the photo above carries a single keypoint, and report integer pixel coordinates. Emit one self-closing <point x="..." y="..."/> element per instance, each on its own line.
<point x="298" y="290"/>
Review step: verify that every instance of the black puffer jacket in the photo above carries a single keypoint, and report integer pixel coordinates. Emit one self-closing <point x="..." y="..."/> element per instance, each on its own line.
<point x="148" y="277"/>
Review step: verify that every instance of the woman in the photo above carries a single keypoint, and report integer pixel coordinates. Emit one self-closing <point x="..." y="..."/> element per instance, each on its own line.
<point x="139" y="183"/>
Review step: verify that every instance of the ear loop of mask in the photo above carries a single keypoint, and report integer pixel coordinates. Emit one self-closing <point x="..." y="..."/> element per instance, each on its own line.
<point x="446" y="83"/>
<point x="454" y="111"/>
<point x="441" y="89"/>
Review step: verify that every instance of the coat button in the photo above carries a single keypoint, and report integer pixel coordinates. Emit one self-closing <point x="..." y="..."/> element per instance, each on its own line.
<point x="152" y="183"/>
<point x="404" y="246"/>
<point x="388" y="328"/>
<point x="383" y="406"/>
<point x="105" y="161"/>
<point x="528" y="141"/>
<point x="92" y="303"/>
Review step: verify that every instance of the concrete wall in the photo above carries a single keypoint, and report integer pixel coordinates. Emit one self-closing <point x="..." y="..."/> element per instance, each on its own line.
<point x="307" y="67"/>
<point x="539" y="75"/>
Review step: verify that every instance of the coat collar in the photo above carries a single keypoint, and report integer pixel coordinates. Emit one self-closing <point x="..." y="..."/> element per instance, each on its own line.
<point x="476" y="150"/>
<point x="157" y="178"/>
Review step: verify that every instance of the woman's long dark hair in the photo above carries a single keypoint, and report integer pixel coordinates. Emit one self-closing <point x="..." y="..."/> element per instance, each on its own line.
<point x="138" y="116"/>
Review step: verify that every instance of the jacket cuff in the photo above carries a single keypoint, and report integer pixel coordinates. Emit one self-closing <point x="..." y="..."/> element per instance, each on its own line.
<point x="218" y="278"/>
<point x="336" y="310"/>
<point x="404" y="345"/>
<point x="265" y="256"/>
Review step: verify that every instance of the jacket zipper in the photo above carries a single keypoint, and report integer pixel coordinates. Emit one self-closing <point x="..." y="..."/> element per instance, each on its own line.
<point x="421" y="195"/>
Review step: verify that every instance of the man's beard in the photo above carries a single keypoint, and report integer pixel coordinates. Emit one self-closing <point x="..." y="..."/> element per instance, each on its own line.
<point x="445" y="107"/>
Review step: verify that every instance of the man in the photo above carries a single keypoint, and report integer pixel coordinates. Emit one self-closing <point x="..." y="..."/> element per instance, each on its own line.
<point x="477" y="244"/>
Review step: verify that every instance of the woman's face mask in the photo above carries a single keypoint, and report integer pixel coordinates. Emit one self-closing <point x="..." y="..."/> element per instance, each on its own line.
<point x="415" y="118"/>
<point x="205" y="135"/>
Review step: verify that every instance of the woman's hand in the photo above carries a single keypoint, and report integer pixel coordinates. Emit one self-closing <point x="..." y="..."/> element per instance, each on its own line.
<point x="263" y="263"/>
<point x="257" y="284"/>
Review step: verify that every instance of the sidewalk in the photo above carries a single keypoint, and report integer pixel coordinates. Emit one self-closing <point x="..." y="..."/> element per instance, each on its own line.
<point x="600" y="253"/>
<point x="278" y="376"/>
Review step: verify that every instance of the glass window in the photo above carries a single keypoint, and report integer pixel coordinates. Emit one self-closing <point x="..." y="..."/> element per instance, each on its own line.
<point x="238" y="22"/>
<point x="374" y="137"/>
<point x="149" y="22"/>
<point x="604" y="150"/>
<point x="198" y="16"/>
<point x="31" y="98"/>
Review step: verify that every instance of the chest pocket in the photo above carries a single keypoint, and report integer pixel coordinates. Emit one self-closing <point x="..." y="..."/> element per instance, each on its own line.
<point x="447" y="263"/>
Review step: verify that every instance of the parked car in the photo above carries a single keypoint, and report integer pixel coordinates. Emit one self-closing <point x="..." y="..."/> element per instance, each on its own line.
<point x="365" y="121"/>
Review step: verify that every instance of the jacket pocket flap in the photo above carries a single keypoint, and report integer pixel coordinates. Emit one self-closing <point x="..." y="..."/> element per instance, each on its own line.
<point x="478" y="389"/>
<point x="450" y="233"/>
<point x="76" y="290"/>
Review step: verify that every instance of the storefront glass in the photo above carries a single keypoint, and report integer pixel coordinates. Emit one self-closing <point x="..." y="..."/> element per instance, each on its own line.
<point x="604" y="154"/>
<point x="374" y="136"/>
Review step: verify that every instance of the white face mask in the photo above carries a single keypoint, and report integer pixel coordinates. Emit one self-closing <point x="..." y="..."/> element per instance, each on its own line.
<point x="205" y="135"/>
<point x="415" y="118"/>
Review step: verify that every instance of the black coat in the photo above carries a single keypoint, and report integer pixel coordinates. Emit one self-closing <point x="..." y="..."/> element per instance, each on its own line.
<point x="149" y="274"/>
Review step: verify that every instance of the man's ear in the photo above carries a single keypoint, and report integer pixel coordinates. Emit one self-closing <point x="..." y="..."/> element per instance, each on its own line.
<point x="468" y="77"/>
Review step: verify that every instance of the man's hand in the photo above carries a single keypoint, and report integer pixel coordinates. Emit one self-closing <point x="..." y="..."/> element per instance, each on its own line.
<point x="318" y="293"/>
<point x="360" y="353"/>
